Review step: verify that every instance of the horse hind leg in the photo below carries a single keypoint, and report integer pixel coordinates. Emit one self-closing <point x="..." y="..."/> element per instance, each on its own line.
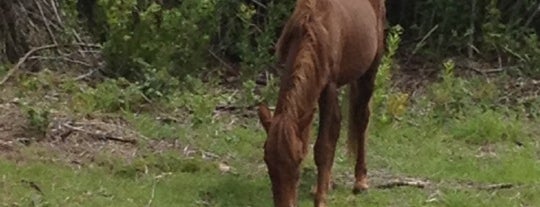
<point x="359" y="111"/>
<point x="325" y="146"/>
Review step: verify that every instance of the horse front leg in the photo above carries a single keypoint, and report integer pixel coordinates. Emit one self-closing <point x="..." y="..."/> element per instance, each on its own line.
<point x="325" y="146"/>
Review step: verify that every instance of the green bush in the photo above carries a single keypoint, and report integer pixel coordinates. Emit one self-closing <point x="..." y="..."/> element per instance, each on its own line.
<point x="494" y="30"/>
<point x="388" y="102"/>
<point x="155" y="46"/>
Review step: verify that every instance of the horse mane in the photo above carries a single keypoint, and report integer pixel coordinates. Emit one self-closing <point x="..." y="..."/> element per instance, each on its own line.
<point x="311" y="63"/>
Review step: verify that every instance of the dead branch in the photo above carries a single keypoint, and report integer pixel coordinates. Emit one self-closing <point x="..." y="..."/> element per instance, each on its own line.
<point x="46" y="22"/>
<point x="83" y="76"/>
<point x="533" y="15"/>
<point x="421" y="43"/>
<point x="497" y="186"/>
<point x="62" y="59"/>
<point x="484" y="71"/>
<point x="56" y="13"/>
<point x="37" y="49"/>
<point x="100" y="135"/>
<point x="33" y="185"/>
<point x="399" y="183"/>
<point x="152" y="193"/>
<point x="220" y="60"/>
<point x="78" y="38"/>
<point x="23" y="59"/>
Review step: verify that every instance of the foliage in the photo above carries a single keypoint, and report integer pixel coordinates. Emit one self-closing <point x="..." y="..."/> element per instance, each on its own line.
<point x="500" y="31"/>
<point x="156" y="46"/>
<point x="38" y="118"/>
<point x="110" y="96"/>
<point x="385" y="95"/>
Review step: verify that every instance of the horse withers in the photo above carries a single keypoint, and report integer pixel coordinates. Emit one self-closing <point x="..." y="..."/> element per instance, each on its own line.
<point x="324" y="45"/>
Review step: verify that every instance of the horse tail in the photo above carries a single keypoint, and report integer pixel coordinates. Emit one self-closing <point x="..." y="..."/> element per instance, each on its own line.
<point x="352" y="139"/>
<point x="352" y="146"/>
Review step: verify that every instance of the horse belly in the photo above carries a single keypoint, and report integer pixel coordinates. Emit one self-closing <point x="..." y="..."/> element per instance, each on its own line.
<point x="360" y="46"/>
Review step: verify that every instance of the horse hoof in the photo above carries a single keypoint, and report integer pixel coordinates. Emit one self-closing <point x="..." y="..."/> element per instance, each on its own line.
<point x="357" y="191"/>
<point x="360" y="187"/>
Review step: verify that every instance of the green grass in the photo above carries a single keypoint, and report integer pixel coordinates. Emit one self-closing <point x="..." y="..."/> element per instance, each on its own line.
<point x="476" y="145"/>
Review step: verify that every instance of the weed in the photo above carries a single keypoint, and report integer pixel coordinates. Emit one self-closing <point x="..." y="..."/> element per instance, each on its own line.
<point x="249" y="95"/>
<point x="486" y="127"/>
<point x="269" y="92"/>
<point x="384" y="94"/>
<point x="38" y="119"/>
<point x="110" y="96"/>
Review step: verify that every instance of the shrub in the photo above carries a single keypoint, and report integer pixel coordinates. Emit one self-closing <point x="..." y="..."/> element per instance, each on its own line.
<point x="110" y="96"/>
<point x="155" y="46"/>
<point x="384" y="95"/>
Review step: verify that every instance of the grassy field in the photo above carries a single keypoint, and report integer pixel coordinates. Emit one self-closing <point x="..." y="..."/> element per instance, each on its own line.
<point x="456" y="137"/>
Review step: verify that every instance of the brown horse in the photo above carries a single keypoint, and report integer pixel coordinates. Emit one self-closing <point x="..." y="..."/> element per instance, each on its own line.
<point x="325" y="45"/>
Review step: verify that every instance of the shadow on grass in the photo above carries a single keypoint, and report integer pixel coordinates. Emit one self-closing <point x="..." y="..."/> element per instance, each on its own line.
<point x="235" y="191"/>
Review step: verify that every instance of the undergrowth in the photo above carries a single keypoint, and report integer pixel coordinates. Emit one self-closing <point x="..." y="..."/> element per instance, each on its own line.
<point x="452" y="138"/>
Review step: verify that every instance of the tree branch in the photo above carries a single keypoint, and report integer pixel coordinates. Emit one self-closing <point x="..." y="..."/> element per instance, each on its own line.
<point x="37" y="49"/>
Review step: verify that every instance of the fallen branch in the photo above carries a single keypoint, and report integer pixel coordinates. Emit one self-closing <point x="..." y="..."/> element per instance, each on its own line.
<point x="56" y="13"/>
<point x="220" y="60"/>
<point x="486" y="71"/>
<point x="399" y="183"/>
<point x="497" y="186"/>
<point x="61" y="59"/>
<point x="100" y="136"/>
<point x="32" y="185"/>
<point x="44" y="19"/>
<point x="37" y="49"/>
<point x="83" y="76"/>
<point x="23" y="59"/>
<point x="152" y="193"/>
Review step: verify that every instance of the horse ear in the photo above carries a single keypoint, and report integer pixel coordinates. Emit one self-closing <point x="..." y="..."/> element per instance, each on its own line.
<point x="265" y="116"/>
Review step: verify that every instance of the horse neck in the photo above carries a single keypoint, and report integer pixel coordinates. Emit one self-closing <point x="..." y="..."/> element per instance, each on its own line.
<point x="298" y="98"/>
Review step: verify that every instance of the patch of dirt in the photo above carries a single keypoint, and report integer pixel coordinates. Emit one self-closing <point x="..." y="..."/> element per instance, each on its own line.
<point x="77" y="140"/>
<point x="12" y="129"/>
